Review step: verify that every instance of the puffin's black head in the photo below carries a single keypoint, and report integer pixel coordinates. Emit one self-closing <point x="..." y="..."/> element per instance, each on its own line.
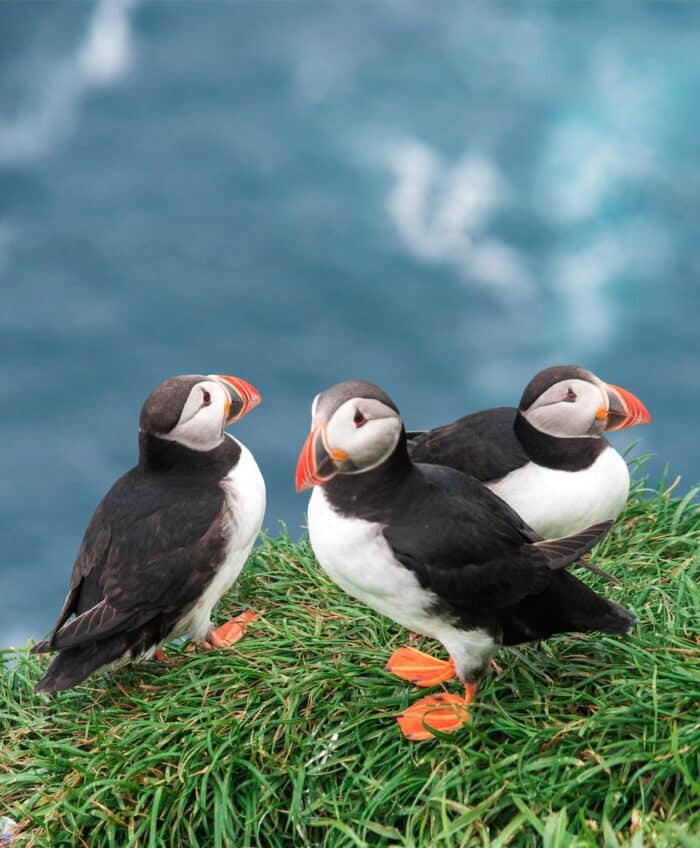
<point x="566" y="400"/>
<point x="193" y="410"/>
<point x="355" y="426"/>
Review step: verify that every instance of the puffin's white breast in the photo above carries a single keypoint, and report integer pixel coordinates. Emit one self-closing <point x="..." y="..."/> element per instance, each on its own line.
<point x="244" y="488"/>
<point x="559" y="503"/>
<point x="244" y="491"/>
<point x="356" y="556"/>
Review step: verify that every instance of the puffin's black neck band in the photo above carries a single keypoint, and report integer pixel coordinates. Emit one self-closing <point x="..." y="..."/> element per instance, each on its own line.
<point x="161" y="455"/>
<point x="364" y="495"/>
<point x="560" y="453"/>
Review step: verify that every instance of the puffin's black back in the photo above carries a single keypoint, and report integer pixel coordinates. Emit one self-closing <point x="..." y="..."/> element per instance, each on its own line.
<point x="151" y="545"/>
<point x="485" y="565"/>
<point x="483" y="444"/>
<point x="491" y="444"/>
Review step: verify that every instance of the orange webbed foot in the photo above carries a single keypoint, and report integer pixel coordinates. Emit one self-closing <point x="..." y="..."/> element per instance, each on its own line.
<point x="231" y="631"/>
<point x="443" y="712"/>
<point x="419" y="668"/>
<point x="228" y="633"/>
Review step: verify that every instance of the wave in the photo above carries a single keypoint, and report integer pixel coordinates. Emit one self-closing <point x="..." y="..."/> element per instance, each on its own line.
<point x="103" y="57"/>
<point x="442" y="211"/>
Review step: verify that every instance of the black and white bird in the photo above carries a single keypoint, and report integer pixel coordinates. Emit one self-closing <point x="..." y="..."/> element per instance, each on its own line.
<point x="548" y="458"/>
<point x="436" y="551"/>
<point x="169" y="538"/>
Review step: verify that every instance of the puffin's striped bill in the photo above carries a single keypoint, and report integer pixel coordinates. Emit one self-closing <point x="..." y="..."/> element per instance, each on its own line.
<point x="625" y="410"/>
<point x="246" y="396"/>
<point x="315" y="465"/>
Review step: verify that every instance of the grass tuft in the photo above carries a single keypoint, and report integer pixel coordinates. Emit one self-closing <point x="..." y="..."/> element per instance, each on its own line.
<point x="289" y="737"/>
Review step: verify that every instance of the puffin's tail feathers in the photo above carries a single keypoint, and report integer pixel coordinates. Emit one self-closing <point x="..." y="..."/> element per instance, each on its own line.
<point x="563" y="552"/>
<point x="566" y="606"/>
<point x="72" y="665"/>
<point x="619" y="620"/>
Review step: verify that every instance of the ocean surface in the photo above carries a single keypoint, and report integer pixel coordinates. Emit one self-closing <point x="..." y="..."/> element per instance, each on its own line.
<point x="443" y="198"/>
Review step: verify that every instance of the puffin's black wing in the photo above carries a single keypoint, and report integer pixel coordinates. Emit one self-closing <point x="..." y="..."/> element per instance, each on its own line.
<point x="470" y="548"/>
<point x="92" y="557"/>
<point x="149" y="550"/>
<point x="482" y="444"/>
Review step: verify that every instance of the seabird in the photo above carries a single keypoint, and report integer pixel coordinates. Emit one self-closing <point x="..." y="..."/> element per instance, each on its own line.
<point x="436" y="551"/>
<point x="548" y="458"/>
<point x="169" y="538"/>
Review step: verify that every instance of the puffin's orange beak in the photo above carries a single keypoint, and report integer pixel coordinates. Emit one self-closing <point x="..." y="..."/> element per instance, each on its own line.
<point x="241" y="400"/>
<point x="316" y="464"/>
<point x="624" y="409"/>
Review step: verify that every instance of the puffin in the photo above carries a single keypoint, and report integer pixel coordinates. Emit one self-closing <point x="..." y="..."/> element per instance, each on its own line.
<point x="436" y="551"/>
<point x="548" y="458"/>
<point x="168" y="540"/>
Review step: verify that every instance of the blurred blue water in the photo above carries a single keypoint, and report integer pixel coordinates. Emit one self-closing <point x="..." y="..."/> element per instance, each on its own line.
<point x="441" y="199"/>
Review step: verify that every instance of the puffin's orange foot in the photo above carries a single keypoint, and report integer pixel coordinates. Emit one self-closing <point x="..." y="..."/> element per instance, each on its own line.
<point x="419" y="668"/>
<point x="159" y="655"/>
<point x="227" y="634"/>
<point x="444" y="713"/>
<point x="232" y="631"/>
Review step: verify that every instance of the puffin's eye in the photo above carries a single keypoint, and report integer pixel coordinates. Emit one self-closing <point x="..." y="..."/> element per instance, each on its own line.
<point x="359" y="419"/>
<point x="571" y="396"/>
<point x="206" y="397"/>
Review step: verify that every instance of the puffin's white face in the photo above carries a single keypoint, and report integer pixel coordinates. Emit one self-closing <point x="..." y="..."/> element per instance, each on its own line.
<point x="354" y="428"/>
<point x="203" y="417"/>
<point x="571" y="408"/>
<point x="192" y="410"/>
<point x="364" y="432"/>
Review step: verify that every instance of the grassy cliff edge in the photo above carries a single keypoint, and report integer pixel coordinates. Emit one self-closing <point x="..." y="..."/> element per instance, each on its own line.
<point x="289" y="737"/>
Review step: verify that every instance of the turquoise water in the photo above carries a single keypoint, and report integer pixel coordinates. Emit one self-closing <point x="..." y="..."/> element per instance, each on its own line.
<point x="441" y="199"/>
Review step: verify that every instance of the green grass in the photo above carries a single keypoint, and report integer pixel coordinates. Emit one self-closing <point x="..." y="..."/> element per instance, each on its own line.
<point x="289" y="738"/>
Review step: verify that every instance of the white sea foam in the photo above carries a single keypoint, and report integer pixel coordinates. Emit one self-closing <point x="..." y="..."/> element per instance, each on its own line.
<point x="611" y="135"/>
<point x="582" y="165"/>
<point x="442" y="214"/>
<point x="102" y="58"/>
<point x="564" y="304"/>
<point x="583" y="277"/>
